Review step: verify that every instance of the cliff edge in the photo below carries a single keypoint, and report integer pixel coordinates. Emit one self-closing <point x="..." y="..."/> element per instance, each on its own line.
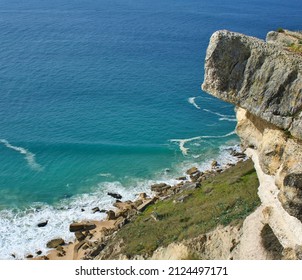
<point x="264" y="80"/>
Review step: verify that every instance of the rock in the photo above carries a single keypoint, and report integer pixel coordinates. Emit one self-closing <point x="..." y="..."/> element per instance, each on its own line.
<point x="146" y="203"/>
<point x="155" y="216"/>
<point x="81" y="226"/>
<point x="97" y="250"/>
<point x="142" y="196"/>
<point x="265" y="79"/>
<point x="190" y="186"/>
<point x="115" y="195"/>
<point x="13" y="255"/>
<point x="182" y="178"/>
<point x="160" y="187"/>
<point x="138" y="203"/>
<point x="195" y="176"/>
<point x="80" y="235"/>
<point x="60" y="249"/>
<point x="54" y="243"/>
<point x="29" y="256"/>
<point x="42" y="224"/>
<point x="39" y="252"/>
<point x="120" y="222"/>
<point x="192" y="170"/>
<point x="95" y="209"/>
<point x="181" y="199"/>
<point x="214" y="164"/>
<point x="110" y="215"/>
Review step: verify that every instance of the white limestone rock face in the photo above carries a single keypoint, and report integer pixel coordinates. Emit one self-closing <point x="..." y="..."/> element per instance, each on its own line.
<point x="264" y="81"/>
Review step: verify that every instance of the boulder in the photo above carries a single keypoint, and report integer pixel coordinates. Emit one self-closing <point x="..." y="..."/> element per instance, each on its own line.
<point x="54" y="243"/>
<point x="142" y="196"/>
<point x="146" y="203"/>
<point x="115" y="195"/>
<point x="110" y="215"/>
<point x="42" y="224"/>
<point x="160" y="187"/>
<point x="97" y="250"/>
<point x="80" y="235"/>
<point x="81" y="226"/>
<point x="192" y="170"/>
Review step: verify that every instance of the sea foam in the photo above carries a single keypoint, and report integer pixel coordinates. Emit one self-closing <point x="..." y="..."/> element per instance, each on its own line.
<point x="182" y="142"/>
<point x="29" y="157"/>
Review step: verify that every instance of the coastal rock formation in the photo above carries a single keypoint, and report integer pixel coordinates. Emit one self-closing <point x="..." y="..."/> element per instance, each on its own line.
<point x="264" y="81"/>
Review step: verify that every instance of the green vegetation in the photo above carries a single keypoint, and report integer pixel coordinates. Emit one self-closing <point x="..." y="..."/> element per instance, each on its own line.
<point x="223" y="199"/>
<point x="295" y="47"/>
<point x="280" y="30"/>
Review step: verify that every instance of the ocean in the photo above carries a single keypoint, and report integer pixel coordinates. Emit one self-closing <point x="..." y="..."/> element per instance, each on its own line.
<point x="100" y="96"/>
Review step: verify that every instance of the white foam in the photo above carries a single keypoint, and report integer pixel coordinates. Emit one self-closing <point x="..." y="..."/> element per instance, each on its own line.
<point x="105" y="174"/>
<point x="191" y="100"/>
<point x="30" y="157"/>
<point x="182" y="142"/>
<point x="21" y="236"/>
<point x="223" y="117"/>
<point x="228" y="119"/>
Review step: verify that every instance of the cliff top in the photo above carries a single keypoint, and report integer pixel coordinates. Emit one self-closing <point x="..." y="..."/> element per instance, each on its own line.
<point x="261" y="77"/>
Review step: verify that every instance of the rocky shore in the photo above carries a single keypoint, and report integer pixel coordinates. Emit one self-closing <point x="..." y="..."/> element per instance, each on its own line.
<point x="91" y="237"/>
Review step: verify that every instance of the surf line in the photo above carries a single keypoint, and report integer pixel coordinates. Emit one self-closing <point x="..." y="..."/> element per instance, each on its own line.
<point x="182" y="142"/>
<point x="191" y="100"/>
<point x="29" y="157"/>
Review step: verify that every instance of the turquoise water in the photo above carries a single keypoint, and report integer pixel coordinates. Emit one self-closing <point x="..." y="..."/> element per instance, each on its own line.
<point x="93" y="95"/>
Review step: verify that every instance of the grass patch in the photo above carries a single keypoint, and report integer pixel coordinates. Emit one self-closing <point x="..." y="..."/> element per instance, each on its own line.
<point x="297" y="48"/>
<point x="232" y="196"/>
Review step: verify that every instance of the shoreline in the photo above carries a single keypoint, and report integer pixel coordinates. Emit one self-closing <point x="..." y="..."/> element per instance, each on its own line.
<point x="87" y="243"/>
<point x="33" y="242"/>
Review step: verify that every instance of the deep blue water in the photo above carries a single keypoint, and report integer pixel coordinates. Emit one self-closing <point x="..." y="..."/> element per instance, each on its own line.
<point x="92" y="92"/>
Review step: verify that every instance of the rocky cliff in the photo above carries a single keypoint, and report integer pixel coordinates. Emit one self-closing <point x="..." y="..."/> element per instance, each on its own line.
<point x="264" y="81"/>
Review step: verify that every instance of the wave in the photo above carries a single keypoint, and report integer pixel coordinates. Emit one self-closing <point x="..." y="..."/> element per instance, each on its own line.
<point x="218" y="114"/>
<point x="228" y="119"/>
<point x="182" y="142"/>
<point x="191" y="100"/>
<point x="30" y="157"/>
<point x="23" y="236"/>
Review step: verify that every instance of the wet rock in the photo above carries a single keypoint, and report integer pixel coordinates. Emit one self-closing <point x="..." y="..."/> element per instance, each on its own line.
<point x="39" y="252"/>
<point x="42" y="224"/>
<point x="95" y="209"/>
<point x="81" y="226"/>
<point x="115" y="195"/>
<point x="214" y="164"/>
<point x="54" y="243"/>
<point x="192" y="170"/>
<point x="182" y="178"/>
<point x="29" y="256"/>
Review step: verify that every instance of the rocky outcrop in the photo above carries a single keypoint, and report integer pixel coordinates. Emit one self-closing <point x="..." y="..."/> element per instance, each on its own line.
<point x="264" y="81"/>
<point x="263" y="78"/>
